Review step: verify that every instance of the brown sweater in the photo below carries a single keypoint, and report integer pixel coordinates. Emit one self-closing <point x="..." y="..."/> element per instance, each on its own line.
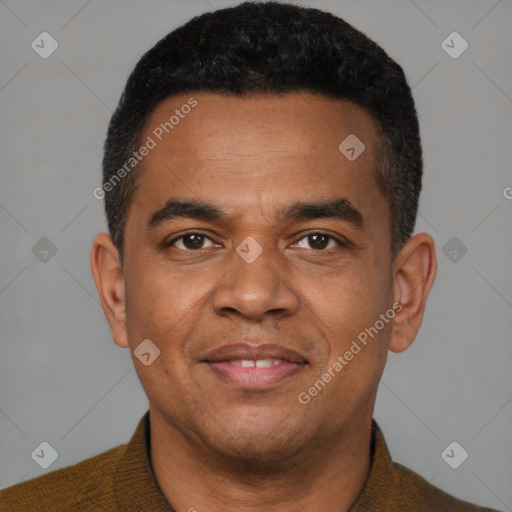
<point x="122" y="479"/>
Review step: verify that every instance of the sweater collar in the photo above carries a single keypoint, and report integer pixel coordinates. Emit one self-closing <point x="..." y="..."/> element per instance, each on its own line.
<point x="383" y="479"/>
<point x="135" y="485"/>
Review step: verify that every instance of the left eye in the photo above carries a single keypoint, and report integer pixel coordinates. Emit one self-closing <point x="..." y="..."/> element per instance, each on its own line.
<point x="319" y="241"/>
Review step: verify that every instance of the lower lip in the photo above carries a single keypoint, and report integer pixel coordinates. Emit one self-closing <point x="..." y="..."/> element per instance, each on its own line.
<point x="255" y="378"/>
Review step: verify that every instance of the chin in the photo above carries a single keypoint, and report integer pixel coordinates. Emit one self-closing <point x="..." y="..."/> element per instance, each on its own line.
<point x="258" y="446"/>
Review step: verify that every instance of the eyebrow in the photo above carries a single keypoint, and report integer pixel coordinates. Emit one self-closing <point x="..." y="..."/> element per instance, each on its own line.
<point x="339" y="209"/>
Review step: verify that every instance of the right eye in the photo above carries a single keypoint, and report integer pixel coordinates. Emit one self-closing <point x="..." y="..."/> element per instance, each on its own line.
<point x="190" y="241"/>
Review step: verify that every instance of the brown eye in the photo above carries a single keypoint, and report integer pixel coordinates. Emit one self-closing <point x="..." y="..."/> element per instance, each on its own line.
<point x="191" y="241"/>
<point x="319" y="241"/>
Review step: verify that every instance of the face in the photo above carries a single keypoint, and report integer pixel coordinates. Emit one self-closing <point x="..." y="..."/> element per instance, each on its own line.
<point x="256" y="253"/>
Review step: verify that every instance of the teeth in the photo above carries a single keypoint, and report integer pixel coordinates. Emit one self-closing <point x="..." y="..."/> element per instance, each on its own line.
<point x="265" y="363"/>
<point x="259" y="363"/>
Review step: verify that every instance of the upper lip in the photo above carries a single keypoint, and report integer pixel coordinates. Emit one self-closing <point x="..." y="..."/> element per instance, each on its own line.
<point x="252" y="352"/>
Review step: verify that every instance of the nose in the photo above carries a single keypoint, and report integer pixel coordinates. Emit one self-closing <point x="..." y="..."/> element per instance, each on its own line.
<point x="255" y="288"/>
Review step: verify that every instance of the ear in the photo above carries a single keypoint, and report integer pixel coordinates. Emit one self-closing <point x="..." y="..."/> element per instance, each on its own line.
<point x="414" y="273"/>
<point x="109" y="279"/>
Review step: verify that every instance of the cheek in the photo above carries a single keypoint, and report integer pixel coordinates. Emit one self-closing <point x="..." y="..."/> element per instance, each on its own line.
<point x="158" y="299"/>
<point x="349" y="306"/>
<point x="164" y="310"/>
<point x="167" y="309"/>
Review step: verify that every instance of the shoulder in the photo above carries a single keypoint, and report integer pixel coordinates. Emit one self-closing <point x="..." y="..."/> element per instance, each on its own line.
<point x="414" y="489"/>
<point x="85" y="486"/>
<point x="393" y="487"/>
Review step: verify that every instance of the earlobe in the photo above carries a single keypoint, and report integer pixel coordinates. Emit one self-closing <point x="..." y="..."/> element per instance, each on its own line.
<point x="108" y="276"/>
<point x="414" y="270"/>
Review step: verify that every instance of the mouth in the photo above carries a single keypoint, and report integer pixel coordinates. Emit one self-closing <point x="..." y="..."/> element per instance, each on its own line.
<point x="254" y="367"/>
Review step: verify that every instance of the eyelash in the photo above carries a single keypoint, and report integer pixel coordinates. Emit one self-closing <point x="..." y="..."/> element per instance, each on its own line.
<point x="341" y="243"/>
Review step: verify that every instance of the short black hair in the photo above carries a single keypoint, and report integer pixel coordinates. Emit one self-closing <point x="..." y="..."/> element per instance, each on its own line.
<point x="274" y="48"/>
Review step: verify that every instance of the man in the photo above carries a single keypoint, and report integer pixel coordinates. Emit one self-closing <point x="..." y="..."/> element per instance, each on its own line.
<point x="261" y="180"/>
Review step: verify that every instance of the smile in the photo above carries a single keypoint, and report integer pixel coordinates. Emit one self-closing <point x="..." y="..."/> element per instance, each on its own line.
<point x="254" y="367"/>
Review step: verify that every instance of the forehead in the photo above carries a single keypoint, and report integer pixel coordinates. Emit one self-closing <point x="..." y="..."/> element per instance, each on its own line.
<point x="244" y="152"/>
<point x="294" y="124"/>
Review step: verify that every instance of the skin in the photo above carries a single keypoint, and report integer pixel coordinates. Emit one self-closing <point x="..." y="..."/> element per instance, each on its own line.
<point x="214" y="445"/>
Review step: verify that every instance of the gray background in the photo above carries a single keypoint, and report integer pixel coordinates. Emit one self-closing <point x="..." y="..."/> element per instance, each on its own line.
<point x="62" y="380"/>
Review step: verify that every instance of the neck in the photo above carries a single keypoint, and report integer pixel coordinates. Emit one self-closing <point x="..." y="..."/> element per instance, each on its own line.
<point x="327" y="476"/>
